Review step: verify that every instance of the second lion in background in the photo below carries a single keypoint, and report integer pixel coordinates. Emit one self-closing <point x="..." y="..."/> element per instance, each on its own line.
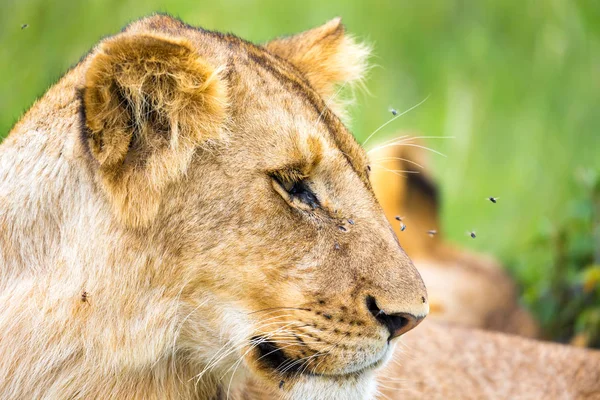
<point x="465" y="288"/>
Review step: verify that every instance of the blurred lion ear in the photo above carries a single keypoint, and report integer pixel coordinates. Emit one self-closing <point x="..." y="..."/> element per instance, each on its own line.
<point x="327" y="57"/>
<point x="149" y="102"/>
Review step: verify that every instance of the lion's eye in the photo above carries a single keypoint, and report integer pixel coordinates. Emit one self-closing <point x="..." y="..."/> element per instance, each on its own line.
<point x="297" y="192"/>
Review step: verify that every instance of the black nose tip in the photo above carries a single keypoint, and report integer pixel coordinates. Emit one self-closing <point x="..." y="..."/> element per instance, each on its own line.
<point x="396" y="323"/>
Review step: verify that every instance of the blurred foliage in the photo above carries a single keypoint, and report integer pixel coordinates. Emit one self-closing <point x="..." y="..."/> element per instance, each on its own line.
<point x="516" y="83"/>
<point x="562" y="268"/>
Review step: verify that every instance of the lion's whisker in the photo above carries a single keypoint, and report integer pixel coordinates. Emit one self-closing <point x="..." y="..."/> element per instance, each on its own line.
<point x="393" y="119"/>
<point x="222" y="353"/>
<point x="321" y="353"/>
<point x="409" y="145"/>
<point x="394" y="139"/>
<point x="278" y="308"/>
<point x="405" y="140"/>
<point x="384" y="159"/>
<point x="396" y="172"/>
<point x="379" y="393"/>
<point x="237" y="364"/>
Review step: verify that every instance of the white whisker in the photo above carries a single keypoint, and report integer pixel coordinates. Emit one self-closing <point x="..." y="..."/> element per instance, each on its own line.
<point x="396" y="171"/>
<point x="407" y="144"/>
<point x="399" y="159"/>
<point x="393" y="119"/>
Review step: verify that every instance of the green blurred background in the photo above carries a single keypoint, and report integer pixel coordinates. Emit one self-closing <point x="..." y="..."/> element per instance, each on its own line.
<point x="516" y="83"/>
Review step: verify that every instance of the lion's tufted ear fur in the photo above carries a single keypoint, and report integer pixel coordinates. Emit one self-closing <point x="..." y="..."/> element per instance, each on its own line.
<point x="327" y="57"/>
<point x="150" y="100"/>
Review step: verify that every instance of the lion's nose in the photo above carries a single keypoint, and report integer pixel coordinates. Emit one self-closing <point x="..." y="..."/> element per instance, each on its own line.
<point x="397" y="323"/>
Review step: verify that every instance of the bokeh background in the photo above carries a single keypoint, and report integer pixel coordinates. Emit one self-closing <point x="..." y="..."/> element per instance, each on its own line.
<point x="515" y="83"/>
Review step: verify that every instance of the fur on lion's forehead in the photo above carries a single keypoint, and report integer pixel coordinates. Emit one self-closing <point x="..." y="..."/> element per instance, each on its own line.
<point x="309" y="65"/>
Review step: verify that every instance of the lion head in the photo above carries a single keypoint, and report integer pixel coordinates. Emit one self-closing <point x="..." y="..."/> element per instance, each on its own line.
<point x="216" y="212"/>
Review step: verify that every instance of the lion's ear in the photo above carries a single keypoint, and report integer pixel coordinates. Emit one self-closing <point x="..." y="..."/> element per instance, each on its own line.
<point x="326" y="55"/>
<point x="150" y="101"/>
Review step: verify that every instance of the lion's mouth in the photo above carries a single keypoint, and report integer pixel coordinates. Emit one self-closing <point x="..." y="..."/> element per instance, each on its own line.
<point x="275" y="359"/>
<point x="272" y="357"/>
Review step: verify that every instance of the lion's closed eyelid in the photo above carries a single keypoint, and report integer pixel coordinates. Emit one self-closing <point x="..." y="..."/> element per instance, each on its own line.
<point x="297" y="194"/>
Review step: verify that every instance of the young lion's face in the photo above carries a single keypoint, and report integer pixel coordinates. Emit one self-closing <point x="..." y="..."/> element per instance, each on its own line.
<point x="228" y="157"/>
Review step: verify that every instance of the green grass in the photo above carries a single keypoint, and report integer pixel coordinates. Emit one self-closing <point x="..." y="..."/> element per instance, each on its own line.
<point x="516" y="83"/>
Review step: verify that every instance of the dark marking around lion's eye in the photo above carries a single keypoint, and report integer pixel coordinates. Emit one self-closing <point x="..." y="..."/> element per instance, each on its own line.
<point x="301" y="191"/>
<point x="342" y="228"/>
<point x="351" y="221"/>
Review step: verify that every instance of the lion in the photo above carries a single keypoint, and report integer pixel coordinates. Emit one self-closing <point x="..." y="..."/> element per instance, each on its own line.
<point x="183" y="209"/>
<point x="465" y="288"/>
<point x="184" y="213"/>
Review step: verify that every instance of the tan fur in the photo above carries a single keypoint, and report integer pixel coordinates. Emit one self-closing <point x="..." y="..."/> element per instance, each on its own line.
<point x="444" y="362"/>
<point x="465" y="288"/>
<point x="156" y="177"/>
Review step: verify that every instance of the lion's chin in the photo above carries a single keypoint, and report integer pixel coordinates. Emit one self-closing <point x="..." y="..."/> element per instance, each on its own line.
<point x="363" y="386"/>
<point x="282" y="376"/>
<point x="300" y="385"/>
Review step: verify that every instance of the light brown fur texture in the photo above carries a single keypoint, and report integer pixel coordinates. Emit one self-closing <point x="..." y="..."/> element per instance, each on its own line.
<point x="438" y="361"/>
<point x="198" y="265"/>
<point x="217" y="215"/>
<point x="465" y="288"/>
